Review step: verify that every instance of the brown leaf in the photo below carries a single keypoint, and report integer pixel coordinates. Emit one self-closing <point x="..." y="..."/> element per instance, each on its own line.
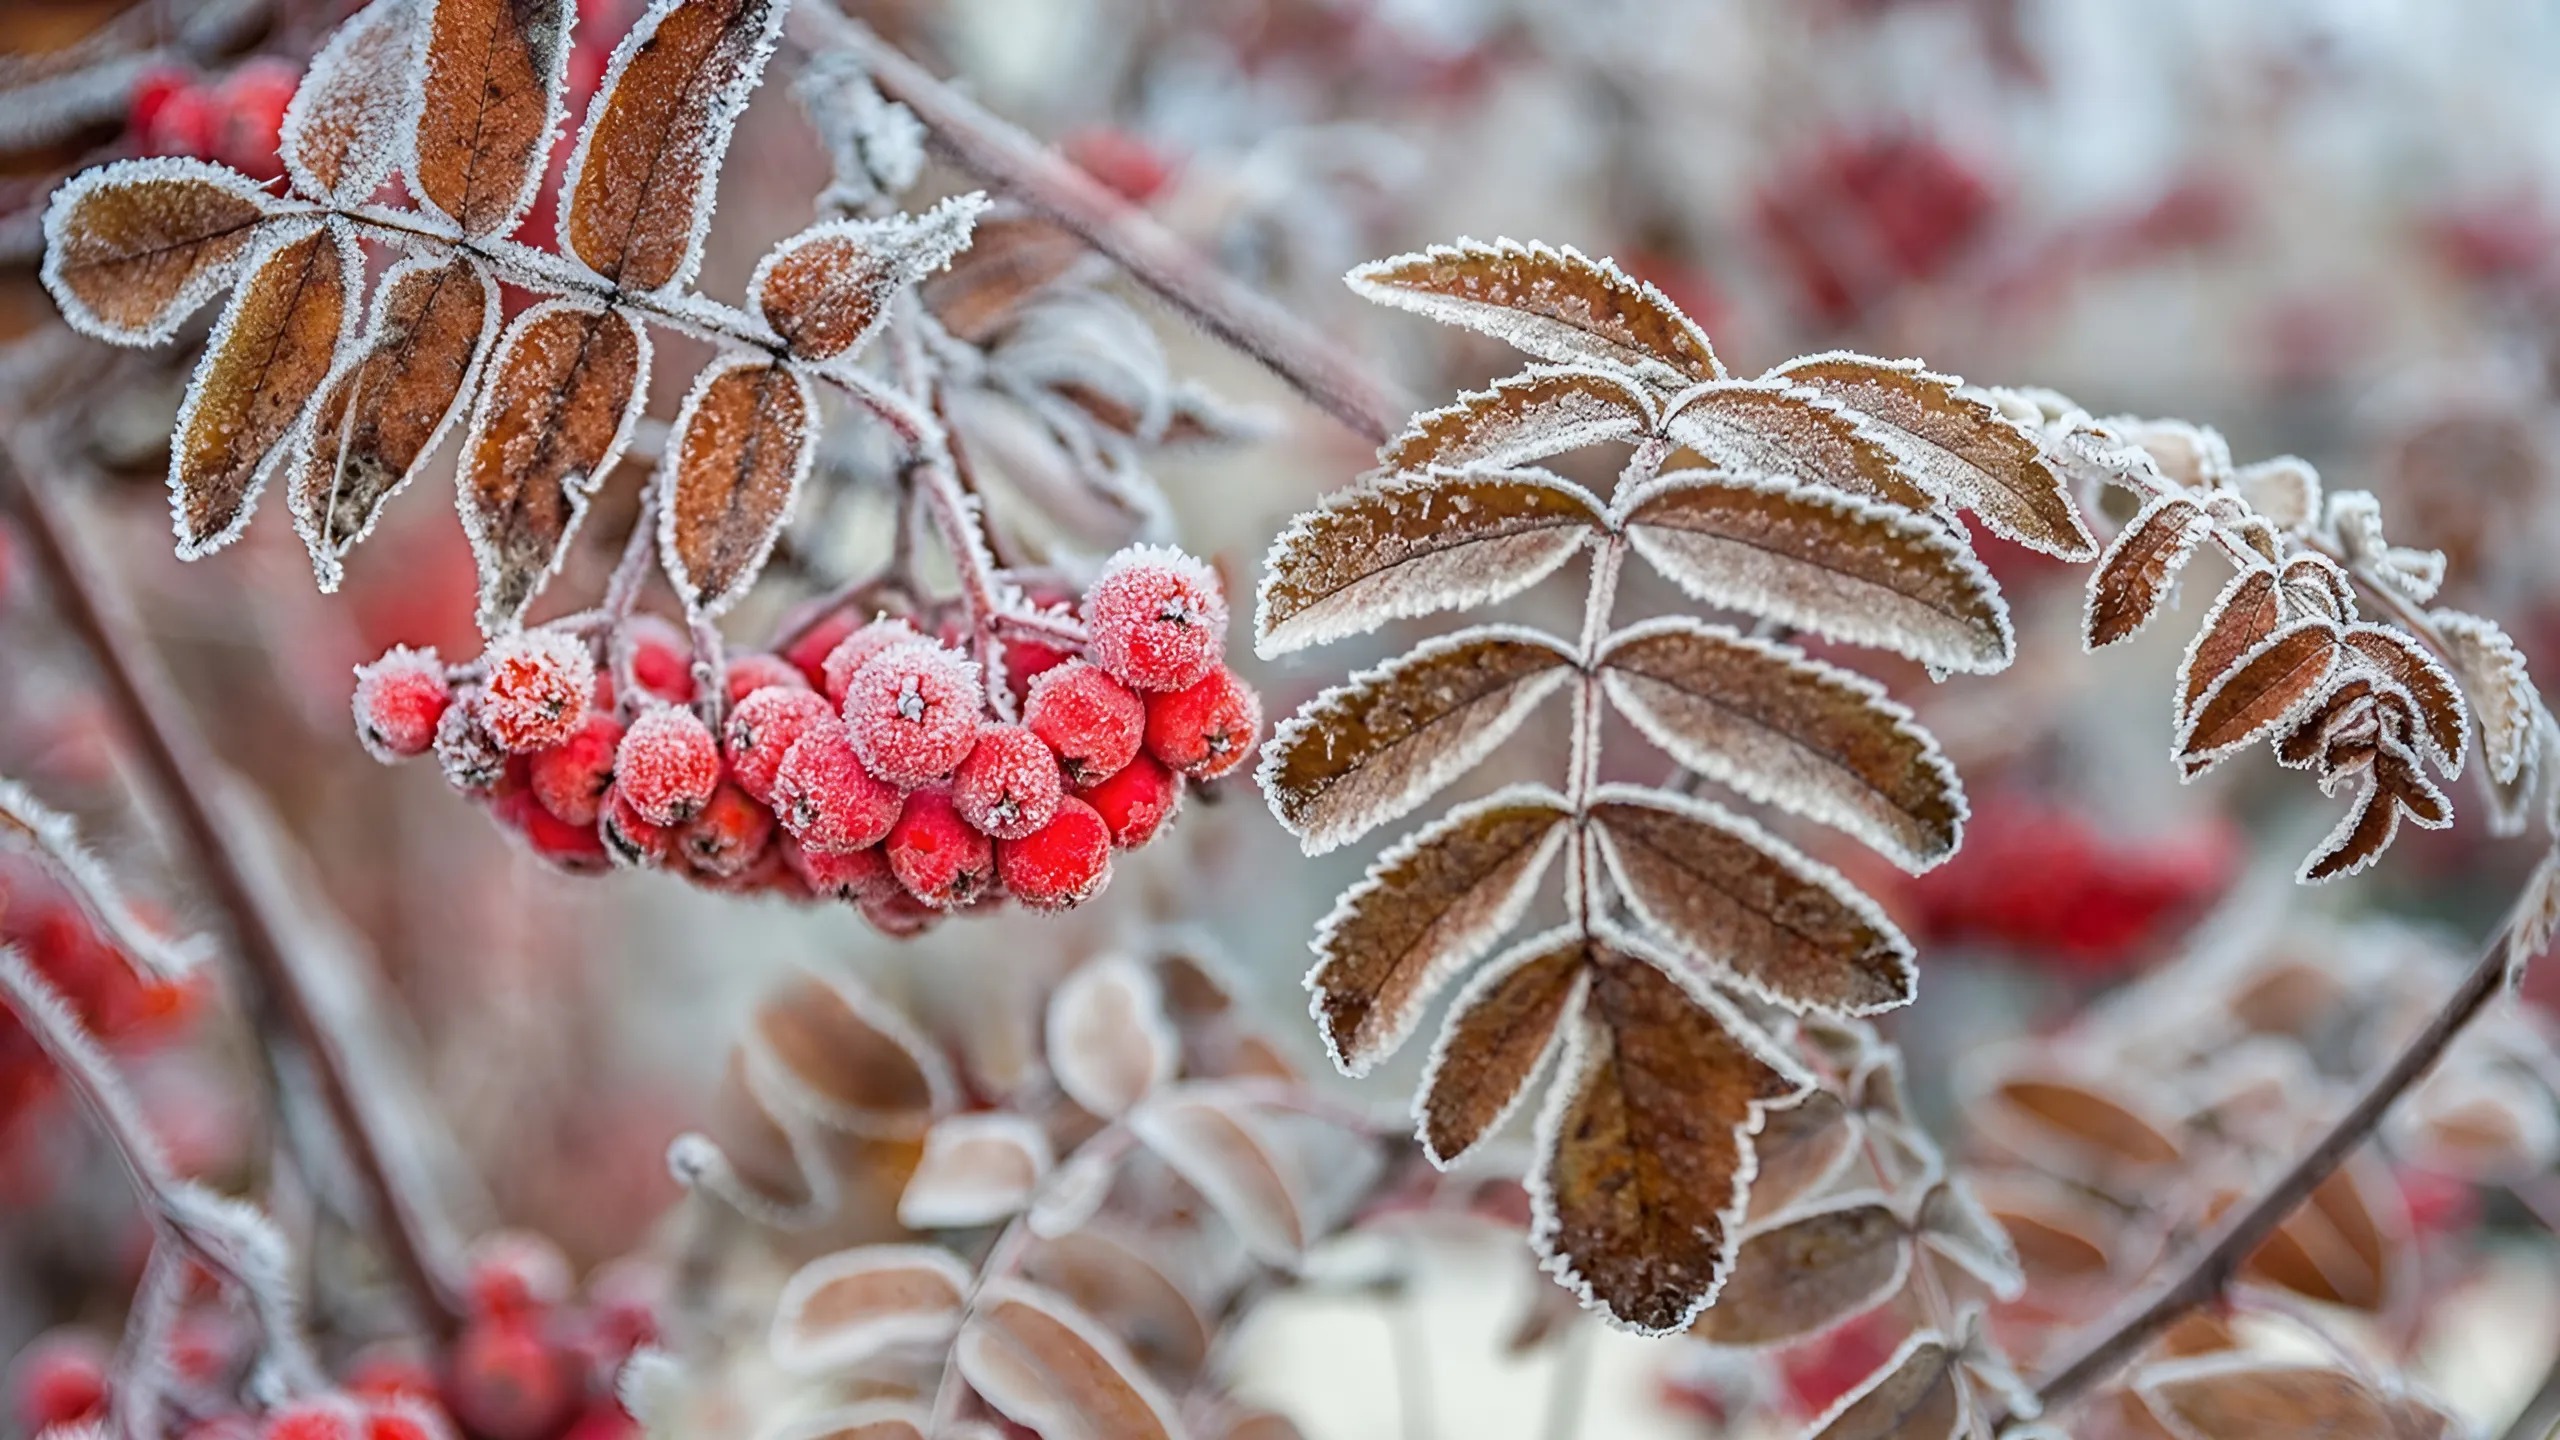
<point x="1783" y="729"/>
<point x="2284" y="489"/>
<point x="1917" y="1395"/>
<point x="343" y="132"/>
<point x="567" y="383"/>
<point x="1373" y="748"/>
<point x="850" y="1059"/>
<point x="2252" y="1397"/>
<point x="1954" y="1223"/>
<point x="381" y="416"/>
<point x="637" y="195"/>
<point x="2061" y="1244"/>
<point x="826" y="290"/>
<point x="1500" y="1030"/>
<point x="1558" y="305"/>
<point x="873" y="1420"/>
<point x="1119" y="1285"/>
<point x="490" y="101"/>
<point x="2062" y="1110"/>
<point x="2314" y="584"/>
<point x="2246" y="612"/>
<point x="2133" y="579"/>
<point x="1541" y="412"/>
<point x="735" y="459"/>
<point x="1740" y="901"/>
<point x="1429" y="907"/>
<point x="2264" y="689"/>
<point x="978" y="1168"/>
<point x="2502" y="694"/>
<point x="1812" y="1271"/>
<point x="2439" y="702"/>
<point x="1844" y="568"/>
<point x="266" y="360"/>
<point x="1212" y="1139"/>
<point x="1646" y="1155"/>
<point x="1959" y="448"/>
<point x="1109" y="1042"/>
<point x="133" y="248"/>
<point x="2371" y="823"/>
<point x="1769" y="427"/>
<point x="842" y="1309"/>
<point x="1010" y="258"/>
<point x="1802" y="1149"/>
<point x="1409" y="545"/>
<point x="1045" y="1365"/>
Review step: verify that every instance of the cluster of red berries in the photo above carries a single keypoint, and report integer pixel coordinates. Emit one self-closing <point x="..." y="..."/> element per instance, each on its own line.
<point x="125" y="1008"/>
<point x="864" y="763"/>
<point x="235" y="118"/>
<point x="1867" y="215"/>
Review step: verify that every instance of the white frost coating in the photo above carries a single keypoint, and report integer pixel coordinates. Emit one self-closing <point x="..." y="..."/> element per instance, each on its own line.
<point x="896" y="251"/>
<point x="367" y="72"/>
<point x="1456" y="953"/>
<point x="875" y="145"/>
<point x="852" y="1332"/>
<point x="2195" y="456"/>
<point x="2416" y="656"/>
<point x="721" y="109"/>
<point x="328" y="562"/>
<point x="2193" y="525"/>
<point x="1197" y="1130"/>
<point x="1767" y="584"/>
<point x="2502" y="694"/>
<point x="1318" y="714"/>
<point x="53" y="838"/>
<point x="1805" y="868"/>
<point x="977" y="1169"/>
<point x="1074" y="1192"/>
<point x="2315" y="585"/>
<point x="555" y="108"/>
<point x="803" y="441"/>
<point x="1495" y="438"/>
<point x="1109" y="1042"/>
<point x="1482" y="983"/>
<point x="1803" y="781"/>
<point x="1548" y="339"/>
<point x="1955" y="1224"/>
<point x="201" y="287"/>
<point x="1025" y="1391"/>
<point x="2285" y="489"/>
<point x="1762" y="448"/>
<point x="2178" y="708"/>
<point x="2191" y="765"/>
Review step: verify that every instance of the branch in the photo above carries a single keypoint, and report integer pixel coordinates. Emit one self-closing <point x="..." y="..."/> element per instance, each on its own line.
<point x="1333" y="379"/>
<point x="180" y="764"/>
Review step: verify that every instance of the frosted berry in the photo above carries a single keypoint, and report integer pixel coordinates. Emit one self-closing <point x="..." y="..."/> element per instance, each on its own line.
<point x="1158" y="618"/>
<point x="762" y="728"/>
<point x="1092" y="721"/>
<point x="1064" y="863"/>
<point x="571" y="778"/>
<point x="515" y="1275"/>
<point x="840" y="874"/>
<point x="1010" y="784"/>
<point x="1028" y="660"/>
<point x="506" y="1383"/>
<point x="575" y="848"/>
<point x="398" y="700"/>
<point x="913" y="711"/>
<point x="472" y="758"/>
<point x="60" y="1379"/>
<point x="936" y="855"/>
<point x="825" y="797"/>
<point x="538" y="687"/>
<point x="729" y="836"/>
<point x="849" y="655"/>
<point x="631" y="840"/>
<point x="661" y="659"/>
<point x="405" y="1418"/>
<point x="808" y="653"/>
<point x="1207" y="729"/>
<point x="758" y="671"/>
<point x="667" y="765"/>
<point x="1135" y="803"/>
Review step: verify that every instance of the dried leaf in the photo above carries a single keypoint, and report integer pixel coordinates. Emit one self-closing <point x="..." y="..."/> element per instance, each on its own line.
<point x="2537" y="916"/>
<point x="1499" y="1033"/>
<point x="2502" y="694"/>
<point x="1430" y="906"/>
<point x="840" y="1310"/>
<point x="2284" y="489"/>
<point x="1954" y="1223"/>
<point x="2133" y="579"/>
<point x="1212" y="1140"/>
<point x="567" y="384"/>
<point x="826" y="290"/>
<point x="1802" y="1150"/>
<point x="2339" y="1248"/>
<point x="1645" y="1149"/>
<point x="1543" y="411"/>
<point x="1010" y="259"/>
<point x="1810" y="1272"/>
<point x="871" y="1420"/>
<point x="2253" y="1397"/>
<point x="1959" y="447"/>
<point x="2275" y="681"/>
<point x="1413" y="544"/>
<point x="492" y="90"/>
<point x="1918" y="1394"/>
<point x="2064" y="1112"/>
<point x="342" y="134"/>
<point x="1769" y="427"/>
<point x="1558" y="305"/>
<point x="1385" y="741"/>
<point x="1845" y="568"/>
<point x="1109" y="1042"/>
<point x="134" y="248"/>
<point x="735" y="458"/>
<point x="1742" y="902"/>
<point x="382" y="415"/>
<point x="2314" y="584"/>
<point x="850" y="1059"/>
<point x="977" y="1169"/>
<point x="2244" y="614"/>
<point x="267" y="358"/>
<point x="1118" y="1285"/>
<point x="2371" y="823"/>
<point x="637" y="196"/>
<point x="2447" y="729"/>
<point x="1783" y="729"/>
<point x="1044" y="1365"/>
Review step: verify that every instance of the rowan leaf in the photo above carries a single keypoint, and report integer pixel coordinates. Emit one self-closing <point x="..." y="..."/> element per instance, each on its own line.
<point x="636" y="199"/>
<point x="1771" y="427"/>
<point x="2246" y="612"/>
<point x="2502" y="694"/>
<point x="491" y="96"/>
<point x="1558" y="305"/>
<point x="2140" y="567"/>
<point x="1955" y="1223"/>
<point x="1011" y="258"/>
<point x="134" y="248"/>
<point x="2389" y="788"/>
<point x="1918" y="1394"/>
<point x="1808" y="1272"/>
<point x="1502" y="1027"/>
<point x="826" y="290"/>
<point x="1121" y="1286"/>
<point x="384" y="412"/>
<point x="1781" y="728"/>
<point x="977" y="1169"/>
<point x="2314" y="584"/>
<point x="2275" y="681"/>
<point x="2256" y="1397"/>
<point x="2341" y="1247"/>
<point x="849" y="1059"/>
<point x="740" y="446"/>
<point x="271" y="352"/>
<point x="1959" y="447"/>
<point x="1214" y="1142"/>
<point x="1383" y="742"/>
<point x="1822" y="560"/>
<point x="1739" y="901"/>
<point x="2057" y="1115"/>
<point x="1109" y="1041"/>
<point x="1543" y="411"/>
<point x="2446" y="716"/>
<point x="566" y="385"/>
<point x="1410" y="545"/>
<point x="354" y="110"/>
<point x="1047" y="1366"/>
<point x="840" y="1310"/>
<point x="1802" y="1149"/>
<point x="871" y="1420"/>
<point x="2285" y="490"/>
<point x="1429" y="907"/>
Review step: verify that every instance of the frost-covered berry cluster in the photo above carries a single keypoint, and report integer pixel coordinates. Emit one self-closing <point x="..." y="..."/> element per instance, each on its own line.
<point x="864" y="761"/>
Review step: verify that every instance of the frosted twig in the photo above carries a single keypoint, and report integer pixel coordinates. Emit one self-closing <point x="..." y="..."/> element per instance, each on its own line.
<point x="51" y="836"/>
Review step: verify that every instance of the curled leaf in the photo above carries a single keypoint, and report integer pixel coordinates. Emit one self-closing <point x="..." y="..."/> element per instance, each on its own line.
<point x="1500" y="1031"/>
<point x="1119" y="1285"/>
<point x="977" y="1169"/>
<point x="826" y="290"/>
<point x="491" y="98"/>
<point x="736" y="455"/>
<point x="2134" y="577"/>
<point x="2266" y="687"/>
<point x="133" y="248"/>
<point x="1541" y="412"/>
<point x="1214" y="1141"/>
<point x="2447" y="727"/>
<point x="1558" y="305"/>
<point x="1047" y="1366"/>
<point x="2502" y="694"/>
<point x="849" y="1059"/>
<point x="842" y="1309"/>
<point x="1802" y="1149"/>
<point x="1109" y="1042"/>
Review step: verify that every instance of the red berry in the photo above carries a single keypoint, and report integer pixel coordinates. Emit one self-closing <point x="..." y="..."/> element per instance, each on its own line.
<point x="667" y="765"/>
<point x="472" y="758"/>
<point x="570" y="778"/>
<point x="1028" y="660"/>
<point x="895" y="913"/>
<point x="661" y="659"/>
<point x="762" y="728"/>
<point x="1158" y="618"/>
<point x="575" y="848"/>
<point x="328" y="1418"/>
<point x="757" y="671"/>
<point x="1136" y="802"/>
<point x="826" y="798"/>
<point x="253" y="101"/>
<point x="631" y="840"/>
<point x="515" y="1275"/>
<point x="935" y="854"/>
<point x="836" y="672"/>
<point x="59" y="1379"/>
<point x="840" y="874"/>
<point x="398" y="700"/>
<point x="1010" y="784"/>
<point x="729" y="836"/>
<point x="183" y="119"/>
<point x="505" y="1383"/>
<point x="1092" y="721"/>
<point x="1206" y="729"/>
<point x="809" y="652"/>
<point x="151" y="93"/>
<point x="539" y="684"/>
<point x="404" y="1418"/>
<point x="389" y="1371"/>
<point x="1064" y="863"/>
<point x="602" y="1422"/>
<point x="913" y="711"/>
